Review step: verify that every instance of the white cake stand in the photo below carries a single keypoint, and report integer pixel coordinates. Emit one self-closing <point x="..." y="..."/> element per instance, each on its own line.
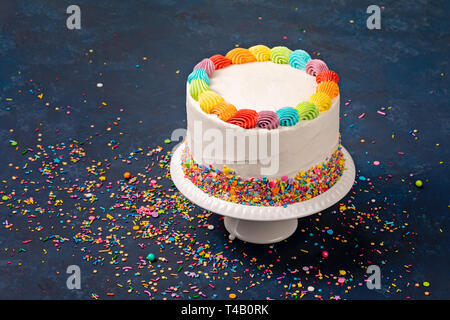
<point x="261" y="224"/>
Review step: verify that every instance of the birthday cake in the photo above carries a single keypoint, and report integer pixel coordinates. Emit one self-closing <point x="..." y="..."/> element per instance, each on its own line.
<point x="262" y="126"/>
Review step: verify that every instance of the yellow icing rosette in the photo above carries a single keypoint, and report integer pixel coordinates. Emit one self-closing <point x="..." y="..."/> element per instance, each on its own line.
<point x="321" y="100"/>
<point x="261" y="52"/>
<point x="208" y="99"/>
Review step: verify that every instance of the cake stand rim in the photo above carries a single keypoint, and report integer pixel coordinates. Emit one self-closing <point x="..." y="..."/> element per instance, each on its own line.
<point x="262" y="213"/>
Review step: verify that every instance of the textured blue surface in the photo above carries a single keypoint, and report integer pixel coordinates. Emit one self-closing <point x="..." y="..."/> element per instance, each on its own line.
<point x="399" y="66"/>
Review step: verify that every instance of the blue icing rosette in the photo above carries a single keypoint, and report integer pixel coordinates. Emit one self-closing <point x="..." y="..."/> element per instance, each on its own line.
<point x="199" y="73"/>
<point x="287" y="116"/>
<point x="298" y="59"/>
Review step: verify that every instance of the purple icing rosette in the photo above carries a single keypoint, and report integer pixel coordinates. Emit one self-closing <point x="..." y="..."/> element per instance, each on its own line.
<point x="267" y="120"/>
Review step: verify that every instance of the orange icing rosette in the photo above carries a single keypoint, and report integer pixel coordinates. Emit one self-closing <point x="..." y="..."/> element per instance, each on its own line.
<point x="329" y="87"/>
<point x="224" y="110"/>
<point x="240" y="56"/>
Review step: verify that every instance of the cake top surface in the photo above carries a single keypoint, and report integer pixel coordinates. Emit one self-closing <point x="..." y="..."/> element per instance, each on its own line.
<point x="263" y="85"/>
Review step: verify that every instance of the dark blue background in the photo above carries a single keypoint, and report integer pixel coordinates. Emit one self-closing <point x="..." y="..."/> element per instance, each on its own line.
<point x="403" y="66"/>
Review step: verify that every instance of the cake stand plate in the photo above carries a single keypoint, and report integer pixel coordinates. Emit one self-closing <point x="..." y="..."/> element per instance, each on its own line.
<point x="262" y="224"/>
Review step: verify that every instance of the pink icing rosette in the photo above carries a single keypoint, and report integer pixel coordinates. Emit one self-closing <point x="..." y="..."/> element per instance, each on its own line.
<point x="315" y="66"/>
<point x="206" y="64"/>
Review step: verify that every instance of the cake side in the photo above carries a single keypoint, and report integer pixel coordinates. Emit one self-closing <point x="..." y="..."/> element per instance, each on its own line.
<point x="299" y="147"/>
<point x="226" y="185"/>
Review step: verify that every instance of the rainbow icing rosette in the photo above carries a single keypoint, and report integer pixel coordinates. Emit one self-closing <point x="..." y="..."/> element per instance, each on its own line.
<point x="244" y="118"/>
<point x="315" y="66"/>
<point x="224" y="110"/>
<point x="287" y="116"/>
<point x="329" y="87"/>
<point x="261" y="52"/>
<point x="321" y="100"/>
<point x="220" y="61"/>
<point x="307" y="110"/>
<point x="199" y="73"/>
<point x="240" y="56"/>
<point x="327" y="75"/>
<point x="298" y="59"/>
<point x="196" y="87"/>
<point x="280" y="55"/>
<point x="208" y="99"/>
<point x="206" y="64"/>
<point x="268" y="120"/>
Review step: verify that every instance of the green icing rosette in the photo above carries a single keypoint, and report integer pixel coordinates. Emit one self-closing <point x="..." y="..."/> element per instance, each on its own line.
<point x="280" y="55"/>
<point x="307" y="110"/>
<point x="196" y="87"/>
<point x="287" y="116"/>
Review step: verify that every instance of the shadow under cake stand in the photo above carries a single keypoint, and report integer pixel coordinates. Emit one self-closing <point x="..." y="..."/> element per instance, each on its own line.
<point x="264" y="224"/>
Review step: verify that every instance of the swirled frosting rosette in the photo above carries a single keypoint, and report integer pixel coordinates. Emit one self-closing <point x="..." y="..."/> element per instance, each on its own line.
<point x="329" y="87"/>
<point x="321" y="100"/>
<point x="287" y="116"/>
<point x="327" y="75"/>
<point x="196" y="87"/>
<point x="280" y="55"/>
<point x="240" y="56"/>
<point x="261" y="52"/>
<point x="206" y="64"/>
<point x="224" y="110"/>
<point x="315" y="66"/>
<point x="267" y="120"/>
<point x="199" y="73"/>
<point x="298" y="59"/>
<point x="307" y="110"/>
<point x="244" y="118"/>
<point x="220" y="61"/>
<point x="208" y="99"/>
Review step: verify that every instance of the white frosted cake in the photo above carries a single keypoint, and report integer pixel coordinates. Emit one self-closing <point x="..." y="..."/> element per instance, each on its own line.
<point x="263" y="126"/>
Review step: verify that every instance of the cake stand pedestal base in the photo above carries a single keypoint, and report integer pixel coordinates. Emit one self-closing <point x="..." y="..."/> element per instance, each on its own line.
<point x="260" y="232"/>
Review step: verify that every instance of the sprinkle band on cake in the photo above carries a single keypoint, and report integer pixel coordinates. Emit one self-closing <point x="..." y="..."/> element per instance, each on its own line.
<point x="226" y="185"/>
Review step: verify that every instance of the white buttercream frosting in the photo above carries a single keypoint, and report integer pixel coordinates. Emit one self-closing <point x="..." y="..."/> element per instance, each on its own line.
<point x="263" y="85"/>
